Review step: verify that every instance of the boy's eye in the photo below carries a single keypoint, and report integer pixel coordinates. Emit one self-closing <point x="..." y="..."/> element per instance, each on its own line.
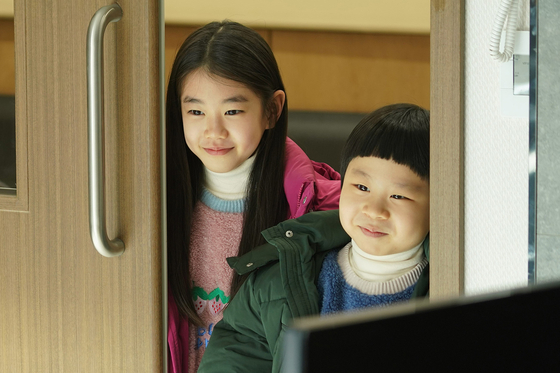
<point x="398" y="196"/>
<point x="363" y="188"/>
<point x="233" y="112"/>
<point x="195" y="112"/>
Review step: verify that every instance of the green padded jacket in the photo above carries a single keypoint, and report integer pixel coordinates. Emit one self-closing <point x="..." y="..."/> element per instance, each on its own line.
<point x="281" y="287"/>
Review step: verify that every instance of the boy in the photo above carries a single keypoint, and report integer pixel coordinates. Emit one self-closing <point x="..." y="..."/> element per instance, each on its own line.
<point x="371" y="252"/>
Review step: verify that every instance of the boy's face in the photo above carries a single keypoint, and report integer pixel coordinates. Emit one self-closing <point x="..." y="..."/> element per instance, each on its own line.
<point x="384" y="206"/>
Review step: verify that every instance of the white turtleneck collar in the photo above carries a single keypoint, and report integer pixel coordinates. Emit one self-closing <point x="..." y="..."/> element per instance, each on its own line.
<point x="381" y="268"/>
<point x="230" y="185"/>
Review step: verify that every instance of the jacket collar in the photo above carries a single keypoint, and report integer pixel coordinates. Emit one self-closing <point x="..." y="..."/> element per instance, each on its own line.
<point x="299" y="239"/>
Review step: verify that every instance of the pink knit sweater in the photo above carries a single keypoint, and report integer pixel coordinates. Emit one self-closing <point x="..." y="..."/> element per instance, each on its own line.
<point x="215" y="237"/>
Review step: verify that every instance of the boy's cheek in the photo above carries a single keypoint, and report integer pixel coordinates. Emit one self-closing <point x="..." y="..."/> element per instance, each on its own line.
<point x="345" y="220"/>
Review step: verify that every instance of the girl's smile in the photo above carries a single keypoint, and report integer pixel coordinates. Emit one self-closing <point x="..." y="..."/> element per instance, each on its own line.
<point x="217" y="151"/>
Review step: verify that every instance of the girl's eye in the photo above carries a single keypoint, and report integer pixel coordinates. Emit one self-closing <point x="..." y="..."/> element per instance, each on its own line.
<point x="195" y="112"/>
<point x="363" y="188"/>
<point x="397" y="196"/>
<point x="233" y="112"/>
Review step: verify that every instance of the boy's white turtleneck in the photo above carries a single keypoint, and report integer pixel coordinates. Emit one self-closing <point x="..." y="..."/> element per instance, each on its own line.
<point x="230" y="185"/>
<point x="381" y="268"/>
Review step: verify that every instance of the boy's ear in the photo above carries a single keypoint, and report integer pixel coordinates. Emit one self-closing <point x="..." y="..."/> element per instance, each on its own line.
<point x="276" y="106"/>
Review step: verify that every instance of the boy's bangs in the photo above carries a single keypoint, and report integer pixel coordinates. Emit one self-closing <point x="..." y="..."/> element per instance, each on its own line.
<point x="397" y="132"/>
<point x="402" y="145"/>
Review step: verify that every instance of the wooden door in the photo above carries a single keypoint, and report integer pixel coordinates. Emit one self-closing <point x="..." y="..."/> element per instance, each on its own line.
<point x="63" y="306"/>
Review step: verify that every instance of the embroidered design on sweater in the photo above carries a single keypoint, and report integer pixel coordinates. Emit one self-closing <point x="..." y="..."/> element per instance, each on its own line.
<point x="214" y="302"/>
<point x="203" y="336"/>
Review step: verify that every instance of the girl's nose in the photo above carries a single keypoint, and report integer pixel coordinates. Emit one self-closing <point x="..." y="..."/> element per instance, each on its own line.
<point x="215" y="129"/>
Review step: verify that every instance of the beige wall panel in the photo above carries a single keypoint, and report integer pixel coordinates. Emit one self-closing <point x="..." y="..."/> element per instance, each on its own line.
<point x="404" y="16"/>
<point x="352" y="72"/>
<point x="7" y="8"/>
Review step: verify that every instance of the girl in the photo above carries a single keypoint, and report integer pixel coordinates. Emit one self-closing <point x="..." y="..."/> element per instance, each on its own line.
<point x="231" y="173"/>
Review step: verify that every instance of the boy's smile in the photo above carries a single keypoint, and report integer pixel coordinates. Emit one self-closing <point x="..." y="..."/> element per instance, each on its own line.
<point x="384" y="206"/>
<point x="373" y="232"/>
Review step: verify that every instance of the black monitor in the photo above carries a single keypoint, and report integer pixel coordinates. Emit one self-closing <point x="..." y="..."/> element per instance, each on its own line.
<point x="514" y="331"/>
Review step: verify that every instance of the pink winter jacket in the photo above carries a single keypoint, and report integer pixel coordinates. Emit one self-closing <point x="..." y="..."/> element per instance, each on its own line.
<point x="309" y="186"/>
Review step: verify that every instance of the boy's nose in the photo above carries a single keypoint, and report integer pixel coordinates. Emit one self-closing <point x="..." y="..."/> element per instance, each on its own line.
<point x="376" y="209"/>
<point x="215" y="129"/>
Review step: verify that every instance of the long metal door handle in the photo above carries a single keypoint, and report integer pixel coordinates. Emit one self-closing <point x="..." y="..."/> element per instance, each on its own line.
<point x="96" y="162"/>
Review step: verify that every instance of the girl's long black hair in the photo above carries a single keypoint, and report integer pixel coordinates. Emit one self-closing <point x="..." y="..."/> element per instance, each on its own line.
<point x="232" y="51"/>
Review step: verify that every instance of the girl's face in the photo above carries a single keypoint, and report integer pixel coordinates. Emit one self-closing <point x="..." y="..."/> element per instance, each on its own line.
<point x="223" y="120"/>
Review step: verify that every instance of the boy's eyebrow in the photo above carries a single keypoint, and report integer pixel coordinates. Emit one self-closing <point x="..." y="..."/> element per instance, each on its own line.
<point x="409" y="186"/>
<point x="238" y="98"/>
<point x="403" y="185"/>
<point x="359" y="172"/>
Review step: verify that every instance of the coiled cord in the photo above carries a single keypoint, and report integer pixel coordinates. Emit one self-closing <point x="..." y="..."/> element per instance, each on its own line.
<point x="509" y="9"/>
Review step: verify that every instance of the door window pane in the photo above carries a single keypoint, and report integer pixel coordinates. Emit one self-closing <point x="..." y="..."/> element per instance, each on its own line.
<point x="7" y="108"/>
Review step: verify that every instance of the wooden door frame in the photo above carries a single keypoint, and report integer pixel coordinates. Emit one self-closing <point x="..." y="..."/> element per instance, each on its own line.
<point x="65" y="307"/>
<point x="447" y="49"/>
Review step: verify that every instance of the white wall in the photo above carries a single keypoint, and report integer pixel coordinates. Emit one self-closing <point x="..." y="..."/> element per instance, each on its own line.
<point x="496" y="164"/>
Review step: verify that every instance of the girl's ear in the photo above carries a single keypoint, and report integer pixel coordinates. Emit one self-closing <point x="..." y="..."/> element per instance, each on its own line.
<point x="276" y="106"/>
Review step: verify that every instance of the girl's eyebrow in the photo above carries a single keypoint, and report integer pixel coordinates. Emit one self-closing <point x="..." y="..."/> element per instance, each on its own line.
<point x="238" y="98"/>
<point x="189" y="99"/>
